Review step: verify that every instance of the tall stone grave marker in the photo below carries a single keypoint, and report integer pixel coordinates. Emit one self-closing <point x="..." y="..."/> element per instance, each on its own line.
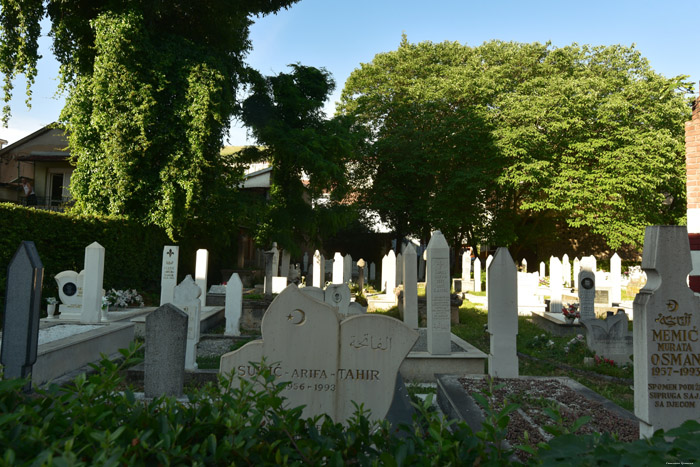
<point x="316" y="280"/>
<point x="187" y="299"/>
<point x="666" y="327"/>
<point x="233" y="305"/>
<point x="399" y="269"/>
<point x="410" y="287"/>
<point x="523" y="265"/>
<point x="421" y="262"/>
<point x="555" y="285"/>
<point x="586" y="294"/>
<point x="284" y="264"/>
<point x="477" y="275"/>
<point x="577" y="270"/>
<point x="338" y="267"/>
<point x="390" y="277"/>
<point x="275" y="259"/>
<point x="372" y="271"/>
<point x="566" y="270"/>
<point x="305" y="262"/>
<point x="267" y="284"/>
<point x="361" y="275"/>
<point x="439" y="336"/>
<point x="338" y="295"/>
<point x="489" y="259"/>
<point x="168" y="274"/>
<point x="615" y="279"/>
<point x="70" y="292"/>
<point x="164" y="361"/>
<point x="200" y="274"/>
<point x="503" y="315"/>
<point x="92" y="285"/>
<point x="20" y="324"/>
<point x="347" y="268"/>
<point x="329" y="361"/>
<point x="466" y="267"/>
<point x="542" y="271"/>
<point x="322" y="273"/>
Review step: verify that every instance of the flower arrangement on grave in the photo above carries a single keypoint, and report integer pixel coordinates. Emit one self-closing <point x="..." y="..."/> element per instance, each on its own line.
<point x="603" y="361"/>
<point x="122" y="298"/>
<point x="570" y="311"/>
<point x="51" y="300"/>
<point x="573" y="343"/>
<point x="541" y="341"/>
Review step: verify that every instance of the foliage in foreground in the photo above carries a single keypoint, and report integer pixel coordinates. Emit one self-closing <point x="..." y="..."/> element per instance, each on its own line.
<point x="91" y="422"/>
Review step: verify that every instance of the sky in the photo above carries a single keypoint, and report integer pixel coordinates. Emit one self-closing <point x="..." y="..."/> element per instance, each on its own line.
<point x="340" y="35"/>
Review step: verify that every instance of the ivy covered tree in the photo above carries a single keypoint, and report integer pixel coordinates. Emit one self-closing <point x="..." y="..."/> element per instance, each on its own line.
<point x="151" y="89"/>
<point x="306" y="151"/>
<point x="490" y="143"/>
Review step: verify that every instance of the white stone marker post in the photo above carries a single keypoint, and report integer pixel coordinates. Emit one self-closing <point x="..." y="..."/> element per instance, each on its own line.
<point x="338" y="267"/>
<point x="399" y="269"/>
<point x="92" y="285"/>
<point x="577" y="270"/>
<point x="200" y="274"/>
<point x="542" y="271"/>
<point x="410" y="287"/>
<point x="586" y="294"/>
<point x="615" y="279"/>
<point x="372" y="271"/>
<point x="168" y="275"/>
<point x="233" y="305"/>
<point x="503" y="316"/>
<point x="316" y="267"/>
<point x="466" y="269"/>
<point x="477" y="275"/>
<point x="187" y="299"/>
<point x="390" y="272"/>
<point x="489" y="259"/>
<point x="666" y="334"/>
<point x="555" y="285"/>
<point x="284" y="264"/>
<point x="566" y="270"/>
<point x="347" y="268"/>
<point x="523" y="265"/>
<point x="275" y="260"/>
<point x="439" y="338"/>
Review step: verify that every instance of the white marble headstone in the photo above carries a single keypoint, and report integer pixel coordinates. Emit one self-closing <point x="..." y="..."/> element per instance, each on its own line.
<point x="337" y="268"/>
<point x="200" y="274"/>
<point x="329" y="361"/>
<point x="615" y="279"/>
<point x="503" y="315"/>
<point x="316" y="278"/>
<point x="477" y="275"/>
<point x="566" y="270"/>
<point x="92" y="283"/>
<point x="438" y="313"/>
<point x="347" y="268"/>
<point x="666" y="334"/>
<point x="410" y="287"/>
<point x="70" y="292"/>
<point x="233" y="305"/>
<point x="466" y="267"/>
<point x="168" y="275"/>
<point x="187" y="295"/>
<point x="555" y="285"/>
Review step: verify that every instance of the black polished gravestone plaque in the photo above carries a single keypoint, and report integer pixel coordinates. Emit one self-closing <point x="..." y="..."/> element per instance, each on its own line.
<point x="20" y="330"/>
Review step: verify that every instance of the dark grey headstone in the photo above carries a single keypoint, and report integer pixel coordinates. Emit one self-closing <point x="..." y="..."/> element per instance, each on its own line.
<point x="166" y="341"/>
<point x="20" y="329"/>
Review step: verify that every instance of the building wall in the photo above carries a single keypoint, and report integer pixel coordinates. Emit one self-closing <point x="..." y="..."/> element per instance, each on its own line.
<point x="692" y="167"/>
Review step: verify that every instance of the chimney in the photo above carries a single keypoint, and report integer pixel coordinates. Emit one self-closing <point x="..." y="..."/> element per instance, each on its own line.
<point x="692" y="170"/>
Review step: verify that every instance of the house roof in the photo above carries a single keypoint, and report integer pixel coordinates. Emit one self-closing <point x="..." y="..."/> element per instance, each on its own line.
<point x="27" y="138"/>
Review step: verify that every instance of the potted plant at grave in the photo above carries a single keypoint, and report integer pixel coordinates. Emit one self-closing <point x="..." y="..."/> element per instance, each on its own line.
<point x="51" y="307"/>
<point x="123" y="298"/>
<point x="570" y="312"/>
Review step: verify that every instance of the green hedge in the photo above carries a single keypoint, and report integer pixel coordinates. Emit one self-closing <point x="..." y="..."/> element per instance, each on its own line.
<point x="133" y="252"/>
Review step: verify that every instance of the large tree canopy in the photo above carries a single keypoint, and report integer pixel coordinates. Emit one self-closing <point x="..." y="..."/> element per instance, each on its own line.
<point x="306" y="151"/>
<point x="481" y="141"/>
<point x="151" y="91"/>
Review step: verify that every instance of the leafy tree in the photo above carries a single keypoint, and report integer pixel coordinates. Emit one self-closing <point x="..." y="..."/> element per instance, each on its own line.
<point x="151" y="90"/>
<point x="495" y="141"/>
<point x="285" y="114"/>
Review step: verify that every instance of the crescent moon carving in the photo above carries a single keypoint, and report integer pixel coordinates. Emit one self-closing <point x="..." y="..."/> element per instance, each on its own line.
<point x="672" y="305"/>
<point x="297" y="317"/>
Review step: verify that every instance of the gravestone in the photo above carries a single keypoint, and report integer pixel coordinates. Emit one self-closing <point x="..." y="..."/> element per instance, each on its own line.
<point x="477" y="275"/>
<point x="200" y="274"/>
<point x="577" y="270"/>
<point x="389" y="277"/>
<point x="168" y="274"/>
<point x="20" y="324"/>
<point x="489" y="258"/>
<point x="361" y="275"/>
<point x="466" y="266"/>
<point x="187" y="299"/>
<point x="347" y="268"/>
<point x="421" y="263"/>
<point x="305" y="262"/>
<point x="267" y="284"/>
<point x="372" y="271"/>
<point x="666" y="344"/>
<point x="275" y="259"/>
<point x="438" y="312"/>
<point x="586" y="294"/>
<point x="503" y="316"/>
<point x="399" y="269"/>
<point x="329" y="361"/>
<point x="566" y="270"/>
<point x="615" y="279"/>
<point x="338" y="295"/>
<point x="70" y="292"/>
<point x="542" y="271"/>
<point x="314" y="292"/>
<point x="523" y="265"/>
<point x="284" y="264"/>
<point x="316" y="280"/>
<point x="322" y="273"/>
<point x="233" y="305"/>
<point x="337" y="268"/>
<point x="92" y="283"/>
<point x="555" y="285"/>
<point x="164" y="360"/>
<point x="410" y="287"/>
<point x="610" y="338"/>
